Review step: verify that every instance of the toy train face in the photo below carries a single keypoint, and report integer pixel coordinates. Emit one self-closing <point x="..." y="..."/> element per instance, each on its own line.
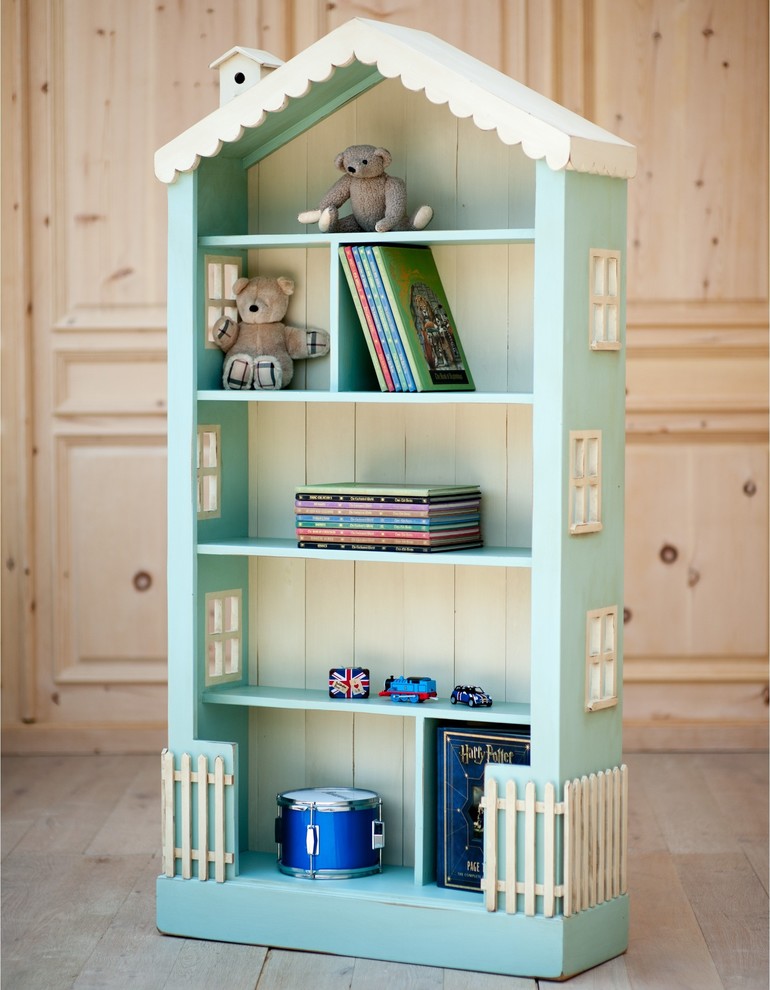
<point x="413" y="689"/>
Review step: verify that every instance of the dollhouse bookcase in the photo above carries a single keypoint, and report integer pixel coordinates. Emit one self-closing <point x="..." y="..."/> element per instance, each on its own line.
<point x="529" y="236"/>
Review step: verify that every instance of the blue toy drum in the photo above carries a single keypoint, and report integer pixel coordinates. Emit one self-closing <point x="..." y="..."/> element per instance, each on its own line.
<point x="329" y="833"/>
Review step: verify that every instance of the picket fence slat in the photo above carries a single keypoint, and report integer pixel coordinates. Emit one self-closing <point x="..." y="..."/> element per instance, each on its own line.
<point x="177" y="816"/>
<point x="203" y="820"/>
<point x="591" y="860"/>
<point x="510" y="849"/>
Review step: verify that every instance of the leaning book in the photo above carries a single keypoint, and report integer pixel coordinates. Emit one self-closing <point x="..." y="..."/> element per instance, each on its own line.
<point x="463" y="753"/>
<point x="417" y="301"/>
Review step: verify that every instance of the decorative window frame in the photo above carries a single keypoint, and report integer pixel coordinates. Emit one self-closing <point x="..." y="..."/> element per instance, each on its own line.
<point x="601" y="658"/>
<point x="585" y="481"/>
<point x="209" y="473"/>
<point x="221" y="272"/>
<point x="604" y="275"/>
<point x="224" y="636"/>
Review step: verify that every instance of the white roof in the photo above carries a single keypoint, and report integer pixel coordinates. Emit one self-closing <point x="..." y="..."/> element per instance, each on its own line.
<point x="361" y="53"/>
<point x="255" y="54"/>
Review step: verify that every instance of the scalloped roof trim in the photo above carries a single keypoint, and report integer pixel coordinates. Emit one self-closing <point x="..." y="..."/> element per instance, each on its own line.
<point x="423" y="63"/>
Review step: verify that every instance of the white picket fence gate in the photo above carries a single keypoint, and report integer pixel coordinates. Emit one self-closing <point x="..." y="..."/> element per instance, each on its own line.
<point x="208" y="789"/>
<point x="584" y="865"/>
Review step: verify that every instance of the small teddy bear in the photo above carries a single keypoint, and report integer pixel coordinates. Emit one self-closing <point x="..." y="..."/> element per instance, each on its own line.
<point x="260" y="350"/>
<point x="378" y="200"/>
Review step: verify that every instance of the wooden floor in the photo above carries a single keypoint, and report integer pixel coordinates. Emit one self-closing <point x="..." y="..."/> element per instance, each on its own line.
<point x="80" y="838"/>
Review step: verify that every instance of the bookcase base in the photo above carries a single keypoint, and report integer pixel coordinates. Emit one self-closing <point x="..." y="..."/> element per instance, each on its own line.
<point x="323" y="917"/>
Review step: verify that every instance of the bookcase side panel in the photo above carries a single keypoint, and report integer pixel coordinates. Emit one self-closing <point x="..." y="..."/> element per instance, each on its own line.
<point x="594" y="401"/>
<point x="548" y="496"/>
<point x="181" y="494"/>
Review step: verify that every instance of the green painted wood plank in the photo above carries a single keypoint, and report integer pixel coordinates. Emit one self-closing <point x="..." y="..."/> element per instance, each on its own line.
<point x="520" y="235"/>
<point x="309" y="700"/>
<point x="411" y="398"/>
<point x="265" y="547"/>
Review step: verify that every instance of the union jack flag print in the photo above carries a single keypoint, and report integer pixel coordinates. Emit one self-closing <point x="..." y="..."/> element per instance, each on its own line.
<point x="348" y="682"/>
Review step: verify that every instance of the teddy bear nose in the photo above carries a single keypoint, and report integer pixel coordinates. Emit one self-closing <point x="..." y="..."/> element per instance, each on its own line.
<point x="253" y="308"/>
<point x="351" y="169"/>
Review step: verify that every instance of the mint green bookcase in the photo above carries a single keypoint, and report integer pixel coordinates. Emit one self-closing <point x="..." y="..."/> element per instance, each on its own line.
<point x="529" y="235"/>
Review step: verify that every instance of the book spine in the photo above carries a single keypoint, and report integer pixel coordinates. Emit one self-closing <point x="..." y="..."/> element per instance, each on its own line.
<point x="375" y="535"/>
<point x="398" y="385"/>
<point x="375" y="498"/>
<point x="383" y="547"/>
<point x="384" y="330"/>
<point x="396" y="331"/>
<point x="366" y="319"/>
<point x="394" y="522"/>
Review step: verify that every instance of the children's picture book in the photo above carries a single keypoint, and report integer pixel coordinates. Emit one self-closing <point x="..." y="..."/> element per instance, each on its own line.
<point x="463" y="753"/>
<point x="373" y="491"/>
<point x="421" y="312"/>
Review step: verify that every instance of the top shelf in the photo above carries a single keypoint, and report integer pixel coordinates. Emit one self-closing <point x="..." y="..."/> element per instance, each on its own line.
<point x="520" y="235"/>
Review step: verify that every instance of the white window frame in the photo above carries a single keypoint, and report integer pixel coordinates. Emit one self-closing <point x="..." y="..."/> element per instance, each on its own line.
<point x="585" y="481"/>
<point x="209" y="471"/>
<point x="223" y="654"/>
<point x="219" y="298"/>
<point x="604" y="276"/>
<point x="601" y="658"/>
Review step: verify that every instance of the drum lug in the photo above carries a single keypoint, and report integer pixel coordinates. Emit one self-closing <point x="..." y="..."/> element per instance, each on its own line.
<point x="378" y="834"/>
<point x="278" y="831"/>
<point x="311" y="840"/>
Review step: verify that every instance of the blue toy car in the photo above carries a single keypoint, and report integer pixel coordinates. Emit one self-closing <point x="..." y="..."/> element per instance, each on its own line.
<point x="471" y="696"/>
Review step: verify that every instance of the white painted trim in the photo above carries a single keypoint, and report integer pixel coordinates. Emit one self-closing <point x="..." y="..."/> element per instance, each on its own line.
<point x="470" y="88"/>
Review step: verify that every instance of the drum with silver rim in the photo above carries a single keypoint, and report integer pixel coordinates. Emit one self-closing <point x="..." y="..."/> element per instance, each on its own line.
<point x="329" y="833"/>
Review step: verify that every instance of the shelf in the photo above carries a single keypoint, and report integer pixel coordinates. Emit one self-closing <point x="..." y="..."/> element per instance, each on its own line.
<point x="397" y="883"/>
<point x="416" y="398"/>
<point x="519" y="235"/>
<point x="481" y="557"/>
<point x="308" y="700"/>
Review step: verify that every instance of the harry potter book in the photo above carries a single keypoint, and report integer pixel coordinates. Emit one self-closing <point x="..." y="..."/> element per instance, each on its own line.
<point x="463" y="753"/>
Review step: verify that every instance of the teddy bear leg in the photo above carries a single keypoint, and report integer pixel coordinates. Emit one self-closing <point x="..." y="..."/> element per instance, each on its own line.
<point x="237" y="372"/>
<point x="422" y="217"/>
<point x="268" y="373"/>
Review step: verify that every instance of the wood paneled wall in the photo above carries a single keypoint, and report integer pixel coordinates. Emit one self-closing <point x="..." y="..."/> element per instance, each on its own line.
<point x="90" y="88"/>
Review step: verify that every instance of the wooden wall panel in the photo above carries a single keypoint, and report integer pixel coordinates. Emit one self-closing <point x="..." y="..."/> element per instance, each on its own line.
<point x="687" y="83"/>
<point x="92" y="87"/>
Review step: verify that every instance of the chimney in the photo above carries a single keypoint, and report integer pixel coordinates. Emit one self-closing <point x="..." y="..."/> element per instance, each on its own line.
<point x="240" y="69"/>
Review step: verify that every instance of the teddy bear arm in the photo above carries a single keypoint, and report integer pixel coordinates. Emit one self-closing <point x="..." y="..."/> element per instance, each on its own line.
<point x="337" y="195"/>
<point x="225" y="333"/>
<point x="306" y="343"/>
<point x="395" y="197"/>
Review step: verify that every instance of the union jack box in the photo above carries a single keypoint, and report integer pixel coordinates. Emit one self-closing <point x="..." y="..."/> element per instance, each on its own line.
<point x="348" y="682"/>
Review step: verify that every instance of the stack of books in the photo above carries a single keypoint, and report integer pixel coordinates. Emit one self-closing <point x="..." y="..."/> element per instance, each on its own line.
<point x="405" y="317"/>
<point x="398" y="518"/>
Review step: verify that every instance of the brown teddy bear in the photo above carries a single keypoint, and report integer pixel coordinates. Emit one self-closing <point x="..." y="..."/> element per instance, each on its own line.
<point x="260" y="350"/>
<point x="378" y="200"/>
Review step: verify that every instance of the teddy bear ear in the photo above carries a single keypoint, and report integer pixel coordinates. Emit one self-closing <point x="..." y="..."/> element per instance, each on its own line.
<point x="286" y="284"/>
<point x="339" y="161"/>
<point x="385" y="155"/>
<point x="239" y="285"/>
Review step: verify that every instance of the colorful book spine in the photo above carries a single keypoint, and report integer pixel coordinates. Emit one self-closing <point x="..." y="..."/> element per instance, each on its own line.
<point x="386" y="315"/>
<point x="388" y="522"/>
<point x="379" y="329"/>
<point x="391" y="342"/>
<point x="342" y="507"/>
<point x="366" y="319"/>
<point x="385" y="547"/>
<point x="379" y="535"/>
